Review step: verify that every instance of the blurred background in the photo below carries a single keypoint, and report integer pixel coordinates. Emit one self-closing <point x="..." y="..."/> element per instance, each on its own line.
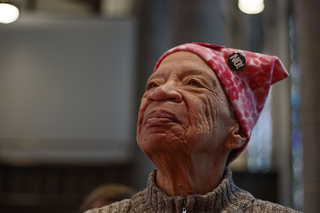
<point x="72" y="73"/>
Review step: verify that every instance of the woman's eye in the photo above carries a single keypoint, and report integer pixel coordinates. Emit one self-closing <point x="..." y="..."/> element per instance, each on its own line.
<point x="151" y="85"/>
<point x="193" y="83"/>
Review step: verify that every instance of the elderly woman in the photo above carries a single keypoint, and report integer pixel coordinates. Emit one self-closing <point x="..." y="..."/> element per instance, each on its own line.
<point x="196" y="116"/>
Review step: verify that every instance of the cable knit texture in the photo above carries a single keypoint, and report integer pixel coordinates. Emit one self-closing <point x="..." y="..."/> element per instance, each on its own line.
<point x="226" y="198"/>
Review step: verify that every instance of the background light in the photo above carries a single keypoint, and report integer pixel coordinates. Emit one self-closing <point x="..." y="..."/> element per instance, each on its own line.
<point x="251" y="6"/>
<point x="8" y="13"/>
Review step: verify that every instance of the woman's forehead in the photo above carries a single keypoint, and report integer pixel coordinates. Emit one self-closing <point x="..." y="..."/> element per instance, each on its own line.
<point x="187" y="63"/>
<point x="187" y="57"/>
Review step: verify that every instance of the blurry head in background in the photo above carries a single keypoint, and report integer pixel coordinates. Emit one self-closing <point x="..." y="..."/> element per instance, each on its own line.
<point x="105" y="195"/>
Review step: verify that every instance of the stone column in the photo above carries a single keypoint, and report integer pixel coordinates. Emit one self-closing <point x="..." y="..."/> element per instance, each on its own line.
<point x="277" y="42"/>
<point x="308" y="48"/>
<point x="194" y="20"/>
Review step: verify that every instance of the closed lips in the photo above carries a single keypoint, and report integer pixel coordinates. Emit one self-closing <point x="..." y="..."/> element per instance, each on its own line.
<point x="161" y="117"/>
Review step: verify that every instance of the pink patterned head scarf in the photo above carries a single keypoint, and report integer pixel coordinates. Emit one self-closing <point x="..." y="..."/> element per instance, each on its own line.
<point x="245" y="76"/>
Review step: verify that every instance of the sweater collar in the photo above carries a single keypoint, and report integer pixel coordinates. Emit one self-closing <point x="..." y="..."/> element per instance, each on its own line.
<point x="212" y="201"/>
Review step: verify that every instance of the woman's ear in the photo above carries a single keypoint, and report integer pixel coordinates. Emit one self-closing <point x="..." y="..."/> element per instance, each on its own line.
<point x="236" y="137"/>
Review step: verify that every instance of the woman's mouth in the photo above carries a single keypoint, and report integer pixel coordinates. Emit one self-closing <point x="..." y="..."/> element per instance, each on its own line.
<point x="160" y="117"/>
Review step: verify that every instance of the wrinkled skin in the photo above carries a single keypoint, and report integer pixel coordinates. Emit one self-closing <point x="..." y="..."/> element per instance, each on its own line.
<point x="185" y="125"/>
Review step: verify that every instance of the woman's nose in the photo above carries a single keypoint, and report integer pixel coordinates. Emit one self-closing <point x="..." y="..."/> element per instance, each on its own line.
<point x="167" y="91"/>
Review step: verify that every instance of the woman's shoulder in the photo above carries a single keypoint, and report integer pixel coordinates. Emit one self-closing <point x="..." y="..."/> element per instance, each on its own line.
<point x="244" y="201"/>
<point x="121" y="206"/>
<point x="266" y="206"/>
<point x="137" y="201"/>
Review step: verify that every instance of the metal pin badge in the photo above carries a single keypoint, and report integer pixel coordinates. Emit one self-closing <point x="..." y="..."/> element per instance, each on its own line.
<point x="236" y="61"/>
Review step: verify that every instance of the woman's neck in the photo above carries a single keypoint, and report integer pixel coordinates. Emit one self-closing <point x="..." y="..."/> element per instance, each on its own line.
<point x="181" y="176"/>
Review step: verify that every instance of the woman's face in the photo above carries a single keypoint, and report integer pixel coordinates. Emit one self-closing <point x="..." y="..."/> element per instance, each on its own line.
<point x="184" y="108"/>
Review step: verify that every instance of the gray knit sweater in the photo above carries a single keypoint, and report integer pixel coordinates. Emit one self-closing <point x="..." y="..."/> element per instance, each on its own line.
<point x="227" y="197"/>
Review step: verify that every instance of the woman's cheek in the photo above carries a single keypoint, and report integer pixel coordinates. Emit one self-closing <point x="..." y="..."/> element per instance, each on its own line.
<point x="199" y="118"/>
<point x="142" y="109"/>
